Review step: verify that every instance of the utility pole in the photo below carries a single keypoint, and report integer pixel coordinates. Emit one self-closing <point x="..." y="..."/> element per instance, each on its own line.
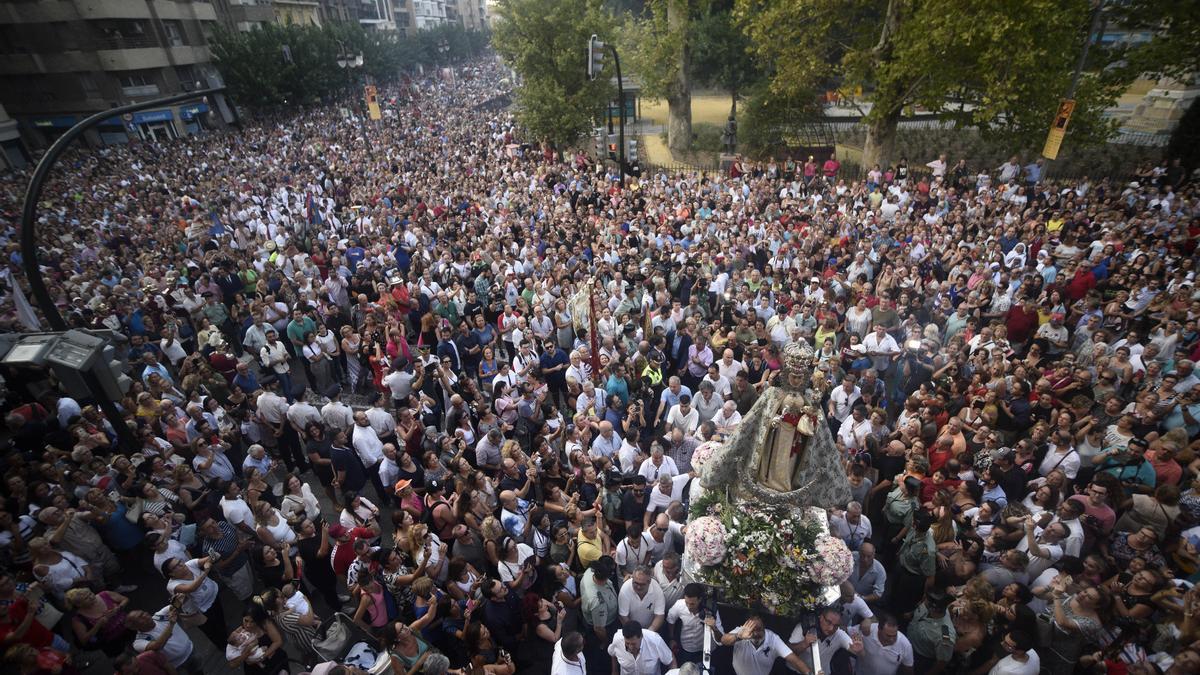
<point x="596" y="50"/>
<point x="1058" y="128"/>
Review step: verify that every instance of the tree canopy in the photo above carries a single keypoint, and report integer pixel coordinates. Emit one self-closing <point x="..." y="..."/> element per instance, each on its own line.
<point x="545" y="41"/>
<point x="1000" y="66"/>
<point x="276" y="64"/>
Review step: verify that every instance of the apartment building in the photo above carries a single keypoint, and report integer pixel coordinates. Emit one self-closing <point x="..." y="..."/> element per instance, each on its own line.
<point x="62" y="60"/>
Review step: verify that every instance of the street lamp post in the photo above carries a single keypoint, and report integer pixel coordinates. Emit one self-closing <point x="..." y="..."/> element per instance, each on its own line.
<point x="350" y="61"/>
<point x="29" y="245"/>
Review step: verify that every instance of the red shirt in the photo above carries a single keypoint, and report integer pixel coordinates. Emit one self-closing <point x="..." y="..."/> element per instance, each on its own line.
<point x="1168" y="472"/>
<point x="37" y="636"/>
<point x="343" y="552"/>
<point x="1021" y="324"/>
<point x="1080" y="284"/>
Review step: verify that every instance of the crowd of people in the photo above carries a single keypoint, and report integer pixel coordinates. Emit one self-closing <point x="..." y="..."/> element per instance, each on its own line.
<point x="362" y="383"/>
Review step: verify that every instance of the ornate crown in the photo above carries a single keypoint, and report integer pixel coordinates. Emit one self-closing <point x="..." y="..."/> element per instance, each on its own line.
<point x="798" y="357"/>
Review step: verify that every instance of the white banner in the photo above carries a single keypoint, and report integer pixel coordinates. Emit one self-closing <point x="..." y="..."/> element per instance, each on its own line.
<point x="25" y="313"/>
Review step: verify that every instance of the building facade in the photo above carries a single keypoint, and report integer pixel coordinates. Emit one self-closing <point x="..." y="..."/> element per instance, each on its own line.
<point x="12" y="151"/>
<point x="62" y="60"/>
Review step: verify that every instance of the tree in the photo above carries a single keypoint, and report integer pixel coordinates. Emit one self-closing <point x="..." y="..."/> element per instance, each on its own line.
<point x="1001" y="66"/>
<point x="1185" y="140"/>
<point x="277" y="64"/>
<point x="721" y="56"/>
<point x="657" y="48"/>
<point x="545" y="41"/>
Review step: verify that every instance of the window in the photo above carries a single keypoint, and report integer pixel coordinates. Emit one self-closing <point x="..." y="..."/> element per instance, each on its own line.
<point x="175" y="34"/>
<point x="139" y="83"/>
<point x="137" y="79"/>
<point x="88" y="84"/>
<point x="188" y="77"/>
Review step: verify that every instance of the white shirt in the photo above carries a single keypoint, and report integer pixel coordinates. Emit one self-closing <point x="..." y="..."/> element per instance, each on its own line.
<point x="367" y="445"/>
<point x="337" y="416"/>
<point x="659" y="501"/>
<point x="843" y="402"/>
<point x="854" y="434"/>
<point x="828" y="646"/>
<point x="1010" y="666"/>
<point x="751" y="659"/>
<point x="691" y="634"/>
<point x="653" y="472"/>
<point x="641" y="609"/>
<point x="629" y="558"/>
<point x="237" y="511"/>
<point x="559" y="665"/>
<point x="178" y="646"/>
<point x="62" y="575"/>
<point x="853" y="534"/>
<point x="880" y="659"/>
<point x="275" y="357"/>
<point x="685" y="423"/>
<point x="652" y="655"/>
<point x="199" y="600"/>
<point x="1068" y="464"/>
<point x="729" y="371"/>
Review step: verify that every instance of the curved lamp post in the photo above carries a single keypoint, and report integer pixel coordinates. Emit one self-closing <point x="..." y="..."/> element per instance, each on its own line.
<point x="29" y="248"/>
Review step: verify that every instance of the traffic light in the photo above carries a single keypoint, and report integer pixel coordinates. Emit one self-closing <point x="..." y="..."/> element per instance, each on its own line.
<point x="613" y="147"/>
<point x="598" y="141"/>
<point x="631" y="155"/>
<point x="595" y="57"/>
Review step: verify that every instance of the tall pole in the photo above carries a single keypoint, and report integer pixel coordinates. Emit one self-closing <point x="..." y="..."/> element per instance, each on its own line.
<point x="29" y="247"/>
<point x="620" y="115"/>
<point x="592" y="339"/>
<point x="1094" y="24"/>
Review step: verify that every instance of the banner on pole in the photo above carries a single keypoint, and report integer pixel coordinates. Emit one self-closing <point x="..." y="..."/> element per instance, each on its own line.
<point x="1058" y="130"/>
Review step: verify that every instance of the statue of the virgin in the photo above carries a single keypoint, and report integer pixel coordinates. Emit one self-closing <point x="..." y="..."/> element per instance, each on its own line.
<point x="782" y="451"/>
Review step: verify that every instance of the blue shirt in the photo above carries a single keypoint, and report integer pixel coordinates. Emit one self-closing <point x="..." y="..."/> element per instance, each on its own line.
<point x="1141" y="472"/>
<point x="618" y="386"/>
<point x="995" y="494"/>
<point x="672" y="399"/>
<point x="247" y="382"/>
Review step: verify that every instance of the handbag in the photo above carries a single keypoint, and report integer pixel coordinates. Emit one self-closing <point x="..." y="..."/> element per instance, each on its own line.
<point x="134" y="513"/>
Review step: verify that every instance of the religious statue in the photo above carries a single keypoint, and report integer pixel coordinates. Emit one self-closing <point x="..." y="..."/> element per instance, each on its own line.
<point x="790" y="431"/>
<point x="783" y="451"/>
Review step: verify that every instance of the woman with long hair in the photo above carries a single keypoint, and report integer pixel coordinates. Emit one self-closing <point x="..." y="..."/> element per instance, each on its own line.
<point x="294" y="617"/>
<point x="256" y="645"/>
<point x="483" y="652"/>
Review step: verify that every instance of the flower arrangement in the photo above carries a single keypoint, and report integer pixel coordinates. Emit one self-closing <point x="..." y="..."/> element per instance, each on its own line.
<point x="832" y="564"/>
<point x="768" y="556"/>
<point x="705" y="540"/>
<point x="703" y="453"/>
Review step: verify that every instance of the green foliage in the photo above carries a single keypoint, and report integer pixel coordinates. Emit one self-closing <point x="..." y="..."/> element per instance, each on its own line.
<point x="1008" y="61"/>
<point x="545" y="41"/>
<point x="1109" y="160"/>
<point x="651" y="50"/>
<point x="765" y="118"/>
<point x="257" y="69"/>
<point x="1175" y="25"/>
<point x="720" y="54"/>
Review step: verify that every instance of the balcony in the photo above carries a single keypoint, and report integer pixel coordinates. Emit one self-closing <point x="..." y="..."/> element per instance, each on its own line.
<point x="121" y="42"/>
<point x="140" y="91"/>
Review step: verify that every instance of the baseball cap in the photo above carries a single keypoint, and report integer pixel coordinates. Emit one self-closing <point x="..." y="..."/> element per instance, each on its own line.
<point x="337" y="531"/>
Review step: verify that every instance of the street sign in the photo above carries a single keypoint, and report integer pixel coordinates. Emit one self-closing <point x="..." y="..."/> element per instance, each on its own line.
<point x="1058" y="130"/>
